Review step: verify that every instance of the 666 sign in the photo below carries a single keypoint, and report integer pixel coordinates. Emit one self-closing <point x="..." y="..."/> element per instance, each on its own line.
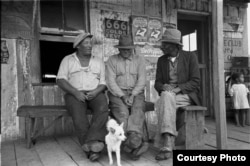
<point x="115" y="28"/>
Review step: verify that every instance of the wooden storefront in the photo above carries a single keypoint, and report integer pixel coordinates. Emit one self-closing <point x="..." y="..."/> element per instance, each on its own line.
<point x="35" y="41"/>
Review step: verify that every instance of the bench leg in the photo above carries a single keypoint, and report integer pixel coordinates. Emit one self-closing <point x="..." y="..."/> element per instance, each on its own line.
<point x="194" y="130"/>
<point x="30" y="129"/>
<point x="45" y="128"/>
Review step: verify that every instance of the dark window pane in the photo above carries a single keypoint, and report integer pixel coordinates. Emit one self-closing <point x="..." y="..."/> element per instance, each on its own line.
<point x="73" y="15"/>
<point x="51" y="14"/>
<point x="52" y="54"/>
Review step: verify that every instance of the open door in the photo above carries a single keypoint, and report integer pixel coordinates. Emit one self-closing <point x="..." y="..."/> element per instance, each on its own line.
<point x="195" y="33"/>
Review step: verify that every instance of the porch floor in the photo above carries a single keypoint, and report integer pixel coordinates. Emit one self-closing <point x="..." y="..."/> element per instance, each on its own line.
<point x="65" y="151"/>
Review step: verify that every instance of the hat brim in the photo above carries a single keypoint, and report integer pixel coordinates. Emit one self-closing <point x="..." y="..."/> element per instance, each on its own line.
<point x="124" y="47"/>
<point x="76" y="43"/>
<point x="171" y="41"/>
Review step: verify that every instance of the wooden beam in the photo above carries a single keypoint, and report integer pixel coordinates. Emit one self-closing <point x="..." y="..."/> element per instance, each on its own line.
<point x="191" y="12"/>
<point x="218" y="74"/>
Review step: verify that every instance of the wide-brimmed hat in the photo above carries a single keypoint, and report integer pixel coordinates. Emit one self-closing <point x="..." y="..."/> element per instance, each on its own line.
<point x="172" y="36"/>
<point x="125" y="42"/>
<point x="80" y="38"/>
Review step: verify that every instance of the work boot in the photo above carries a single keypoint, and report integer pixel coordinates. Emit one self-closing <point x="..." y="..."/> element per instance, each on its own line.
<point x="134" y="140"/>
<point x="166" y="150"/>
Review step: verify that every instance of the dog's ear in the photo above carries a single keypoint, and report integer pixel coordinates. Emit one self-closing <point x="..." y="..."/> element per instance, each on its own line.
<point x="112" y="130"/>
<point x="121" y="124"/>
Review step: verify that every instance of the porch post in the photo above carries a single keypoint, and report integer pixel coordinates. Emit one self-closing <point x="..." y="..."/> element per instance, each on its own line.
<point x="218" y="74"/>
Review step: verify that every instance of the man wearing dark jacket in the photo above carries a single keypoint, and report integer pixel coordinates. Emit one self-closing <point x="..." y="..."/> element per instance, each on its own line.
<point x="177" y="82"/>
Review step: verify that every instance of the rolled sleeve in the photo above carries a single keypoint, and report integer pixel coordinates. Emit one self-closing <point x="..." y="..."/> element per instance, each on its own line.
<point x="141" y="82"/>
<point x="63" y="70"/>
<point x="111" y="79"/>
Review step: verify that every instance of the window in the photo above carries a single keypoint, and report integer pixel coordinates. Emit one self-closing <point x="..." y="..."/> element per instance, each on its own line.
<point x="190" y="41"/>
<point x="60" y="22"/>
<point x="51" y="55"/>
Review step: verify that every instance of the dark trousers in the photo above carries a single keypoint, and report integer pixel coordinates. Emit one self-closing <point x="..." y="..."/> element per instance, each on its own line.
<point x="96" y="130"/>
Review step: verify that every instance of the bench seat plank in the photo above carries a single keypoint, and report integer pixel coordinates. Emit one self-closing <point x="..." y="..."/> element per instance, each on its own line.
<point x="41" y="111"/>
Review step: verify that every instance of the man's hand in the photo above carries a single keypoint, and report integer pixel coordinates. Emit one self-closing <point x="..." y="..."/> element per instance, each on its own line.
<point x="131" y="100"/>
<point x="176" y="90"/>
<point x="80" y="96"/>
<point x="125" y="99"/>
<point x="91" y="95"/>
<point x="168" y="87"/>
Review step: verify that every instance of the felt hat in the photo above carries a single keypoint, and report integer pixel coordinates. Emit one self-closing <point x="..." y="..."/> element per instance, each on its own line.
<point x="125" y="42"/>
<point x="172" y="36"/>
<point x="80" y="38"/>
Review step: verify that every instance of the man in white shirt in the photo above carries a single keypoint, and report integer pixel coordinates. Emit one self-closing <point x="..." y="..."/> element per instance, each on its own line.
<point x="82" y="76"/>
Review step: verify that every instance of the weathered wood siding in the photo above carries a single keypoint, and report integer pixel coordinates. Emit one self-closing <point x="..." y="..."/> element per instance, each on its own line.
<point x="51" y="95"/>
<point x="9" y="91"/>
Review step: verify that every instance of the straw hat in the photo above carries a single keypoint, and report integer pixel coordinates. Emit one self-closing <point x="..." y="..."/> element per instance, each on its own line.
<point x="80" y="38"/>
<point x="125" y="42"/>
<point x="172" y="36"/>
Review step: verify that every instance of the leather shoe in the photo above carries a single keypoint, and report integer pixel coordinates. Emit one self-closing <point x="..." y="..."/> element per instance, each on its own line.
<point x="142" y="149"/>
<point x="93" y="156"/>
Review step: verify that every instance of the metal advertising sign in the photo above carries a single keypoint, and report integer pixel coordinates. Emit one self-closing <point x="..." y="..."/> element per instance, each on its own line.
<point x="4" y="52"/>
<point x="154" y="31"/>
<point x="139" y="29"/>
<point x="115" y="28"/>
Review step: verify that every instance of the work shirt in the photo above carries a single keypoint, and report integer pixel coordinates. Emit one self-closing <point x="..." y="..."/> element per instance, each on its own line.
<point x="82" y="78"/>
<point x="173" y="78"/>
<point x="126" y="74"/>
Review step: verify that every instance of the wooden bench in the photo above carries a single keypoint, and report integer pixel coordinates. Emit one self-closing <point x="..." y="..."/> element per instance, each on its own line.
<point x="32" y="112"/>
<point x="190" y="119"/>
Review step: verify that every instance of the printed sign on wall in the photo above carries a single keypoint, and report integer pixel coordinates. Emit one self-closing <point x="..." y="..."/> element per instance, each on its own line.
<point x="154" y="31"/>
<point x="232" y="48"/>
<point x="4" y="52"/>
<point x="139" y="29"/>
<point x="115" y="28"/>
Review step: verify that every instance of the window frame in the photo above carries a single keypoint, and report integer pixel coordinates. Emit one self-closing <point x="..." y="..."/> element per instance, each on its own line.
<point x="58" y="35"/>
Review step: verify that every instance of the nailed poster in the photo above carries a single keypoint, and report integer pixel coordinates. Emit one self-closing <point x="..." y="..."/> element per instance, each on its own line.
<point x="154" y="31"/>
<point x="115" y="28"/>
<point x="139" y="29"/>
<point x="4" y="52"/>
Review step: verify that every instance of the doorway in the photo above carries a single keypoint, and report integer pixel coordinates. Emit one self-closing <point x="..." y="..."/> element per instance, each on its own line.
<point x="195" y="38"/>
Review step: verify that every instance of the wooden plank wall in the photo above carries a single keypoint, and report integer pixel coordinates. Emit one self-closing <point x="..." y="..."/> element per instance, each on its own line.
<point x="9" y="91"/>
<point x="52" y="95"/>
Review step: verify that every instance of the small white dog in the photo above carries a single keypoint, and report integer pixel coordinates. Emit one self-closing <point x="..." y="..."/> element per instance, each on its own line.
<point x="114" y="139"/>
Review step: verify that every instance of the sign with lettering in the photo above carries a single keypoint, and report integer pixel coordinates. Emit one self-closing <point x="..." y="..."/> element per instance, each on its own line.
<point x="139" y="29"/>
<point x="232" y="48"/>
<point x="115" y="28"/>
<point x="154" y="31"/>
<point x="149" y="51"/>
<point x="4" y="52"/>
